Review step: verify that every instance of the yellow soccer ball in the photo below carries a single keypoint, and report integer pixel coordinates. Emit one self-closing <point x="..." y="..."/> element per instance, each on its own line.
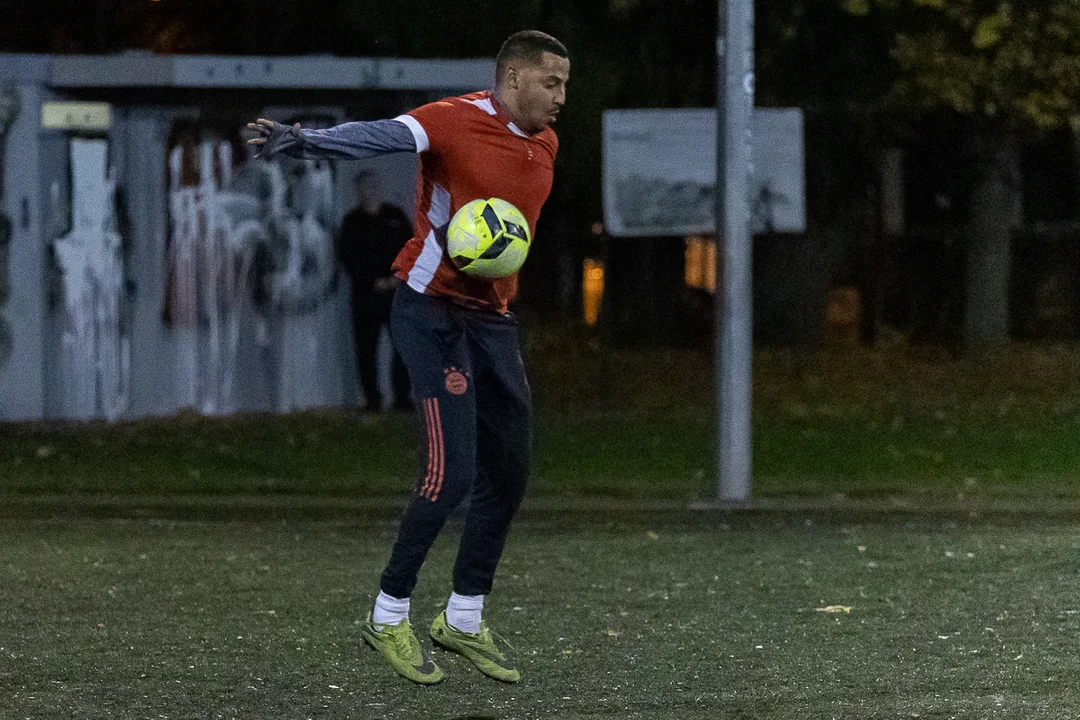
<point x="488" y="238"/>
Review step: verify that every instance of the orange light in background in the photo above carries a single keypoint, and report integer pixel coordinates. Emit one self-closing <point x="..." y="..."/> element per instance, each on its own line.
<point x="592" y="290"/>
<point x="701" y="263"/>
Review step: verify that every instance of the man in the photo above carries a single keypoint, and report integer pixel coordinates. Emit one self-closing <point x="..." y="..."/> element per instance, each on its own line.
<point x="456" y="336"/>
<point x="371" y="236"/>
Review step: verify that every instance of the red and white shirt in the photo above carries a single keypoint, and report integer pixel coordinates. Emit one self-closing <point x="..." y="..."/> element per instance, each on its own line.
<point x="470" y="148"/>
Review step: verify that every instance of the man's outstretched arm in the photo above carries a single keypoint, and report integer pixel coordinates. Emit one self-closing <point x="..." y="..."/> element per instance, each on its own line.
<point x="349" y="141"/>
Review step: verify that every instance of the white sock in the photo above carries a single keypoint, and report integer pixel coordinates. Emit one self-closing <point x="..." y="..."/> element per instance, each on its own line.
<point x="463" y="612"/>
<point x="390" y="610"/>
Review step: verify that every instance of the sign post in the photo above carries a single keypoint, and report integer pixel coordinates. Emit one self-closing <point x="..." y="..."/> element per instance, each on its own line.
<point x="734" y="337"/>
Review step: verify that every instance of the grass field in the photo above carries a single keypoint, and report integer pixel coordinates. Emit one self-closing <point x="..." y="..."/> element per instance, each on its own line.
<point x="633" y="424"/>
<point x="911" y="551"/>
<point x="613" y="612"/>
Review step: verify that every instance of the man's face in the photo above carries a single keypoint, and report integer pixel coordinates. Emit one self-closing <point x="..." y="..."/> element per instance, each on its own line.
<point x="539" y="90"/>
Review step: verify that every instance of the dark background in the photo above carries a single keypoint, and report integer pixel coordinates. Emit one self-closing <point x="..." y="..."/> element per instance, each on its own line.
<point x="841" y="61"/>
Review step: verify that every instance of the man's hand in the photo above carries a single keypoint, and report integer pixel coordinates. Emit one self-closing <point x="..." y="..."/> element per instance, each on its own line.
<point x="271" y="137"/>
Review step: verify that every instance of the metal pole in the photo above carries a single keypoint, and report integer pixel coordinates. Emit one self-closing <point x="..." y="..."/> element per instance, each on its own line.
<point x="734" y="112"/>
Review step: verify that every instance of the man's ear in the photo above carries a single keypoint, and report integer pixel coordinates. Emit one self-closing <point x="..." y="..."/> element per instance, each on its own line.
<point x="512" y="78"/>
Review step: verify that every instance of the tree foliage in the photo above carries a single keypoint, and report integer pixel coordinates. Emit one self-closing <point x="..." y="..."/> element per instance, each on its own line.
<point x="1010" y="61"/>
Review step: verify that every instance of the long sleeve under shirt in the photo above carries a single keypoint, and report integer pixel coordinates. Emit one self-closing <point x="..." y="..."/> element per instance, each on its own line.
<point x="349" y="141"/>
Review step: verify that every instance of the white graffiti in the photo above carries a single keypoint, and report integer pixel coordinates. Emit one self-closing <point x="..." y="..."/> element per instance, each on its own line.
<point x="95" y="358"/>
<point x="244" y="234"/>
<point x="9" y="110"/>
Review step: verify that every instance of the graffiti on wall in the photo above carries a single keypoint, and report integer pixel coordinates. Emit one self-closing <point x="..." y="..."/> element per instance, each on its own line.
<point x="242" y="234"/>
<point x="95" y="356"/>
<point x="9" y="109"/>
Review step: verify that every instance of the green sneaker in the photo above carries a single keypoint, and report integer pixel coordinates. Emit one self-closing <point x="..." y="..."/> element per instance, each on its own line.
<point x="478" y="648"/>
<point x="398" y="644"/>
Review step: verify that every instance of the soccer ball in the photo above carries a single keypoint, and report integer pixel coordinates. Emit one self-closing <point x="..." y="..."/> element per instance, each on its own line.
<point x="488" y="238"/>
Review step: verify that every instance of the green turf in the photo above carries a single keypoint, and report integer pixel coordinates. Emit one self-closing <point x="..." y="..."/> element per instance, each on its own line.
<point x="613" y="614"/>
<point x="621" y="454"/>
<point x="632" y="423"/>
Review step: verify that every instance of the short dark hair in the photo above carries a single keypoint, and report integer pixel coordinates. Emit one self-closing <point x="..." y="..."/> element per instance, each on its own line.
<point x="528" y="45"/>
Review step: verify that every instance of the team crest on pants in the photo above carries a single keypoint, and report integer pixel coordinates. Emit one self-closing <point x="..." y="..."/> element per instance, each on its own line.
<point x="456" y="381"/>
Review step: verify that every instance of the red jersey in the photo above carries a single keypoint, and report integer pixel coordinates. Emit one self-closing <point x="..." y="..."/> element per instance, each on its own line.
<point x="469" y="149"/>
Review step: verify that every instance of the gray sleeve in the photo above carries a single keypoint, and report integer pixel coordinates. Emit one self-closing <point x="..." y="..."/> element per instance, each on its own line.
<point x="354" y="141"/>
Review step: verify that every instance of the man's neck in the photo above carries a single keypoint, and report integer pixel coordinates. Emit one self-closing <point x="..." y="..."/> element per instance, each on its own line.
<point x="497" y="93"/>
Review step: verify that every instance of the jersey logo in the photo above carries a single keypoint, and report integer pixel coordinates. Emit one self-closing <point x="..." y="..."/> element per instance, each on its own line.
<point x="456" y="382"/>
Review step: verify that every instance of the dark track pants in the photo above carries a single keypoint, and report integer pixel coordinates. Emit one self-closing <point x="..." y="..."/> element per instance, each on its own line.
<point x="473" y="402"/>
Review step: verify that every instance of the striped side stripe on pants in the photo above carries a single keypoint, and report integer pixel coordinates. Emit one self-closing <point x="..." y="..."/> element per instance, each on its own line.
<point x="433" y="479"/>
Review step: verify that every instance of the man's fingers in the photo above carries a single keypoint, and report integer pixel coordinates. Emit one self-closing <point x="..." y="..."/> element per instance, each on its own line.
<point x="257" y="141"/>
<point x="262" y="126"/>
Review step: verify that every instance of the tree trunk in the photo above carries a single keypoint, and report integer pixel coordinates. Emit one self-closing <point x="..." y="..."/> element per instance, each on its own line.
<point x="995" y="214"/>
<point x="1075" y="252"/>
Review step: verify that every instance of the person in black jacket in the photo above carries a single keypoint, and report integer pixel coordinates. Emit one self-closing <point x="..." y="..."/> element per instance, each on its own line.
<point x="371" y="236"/>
